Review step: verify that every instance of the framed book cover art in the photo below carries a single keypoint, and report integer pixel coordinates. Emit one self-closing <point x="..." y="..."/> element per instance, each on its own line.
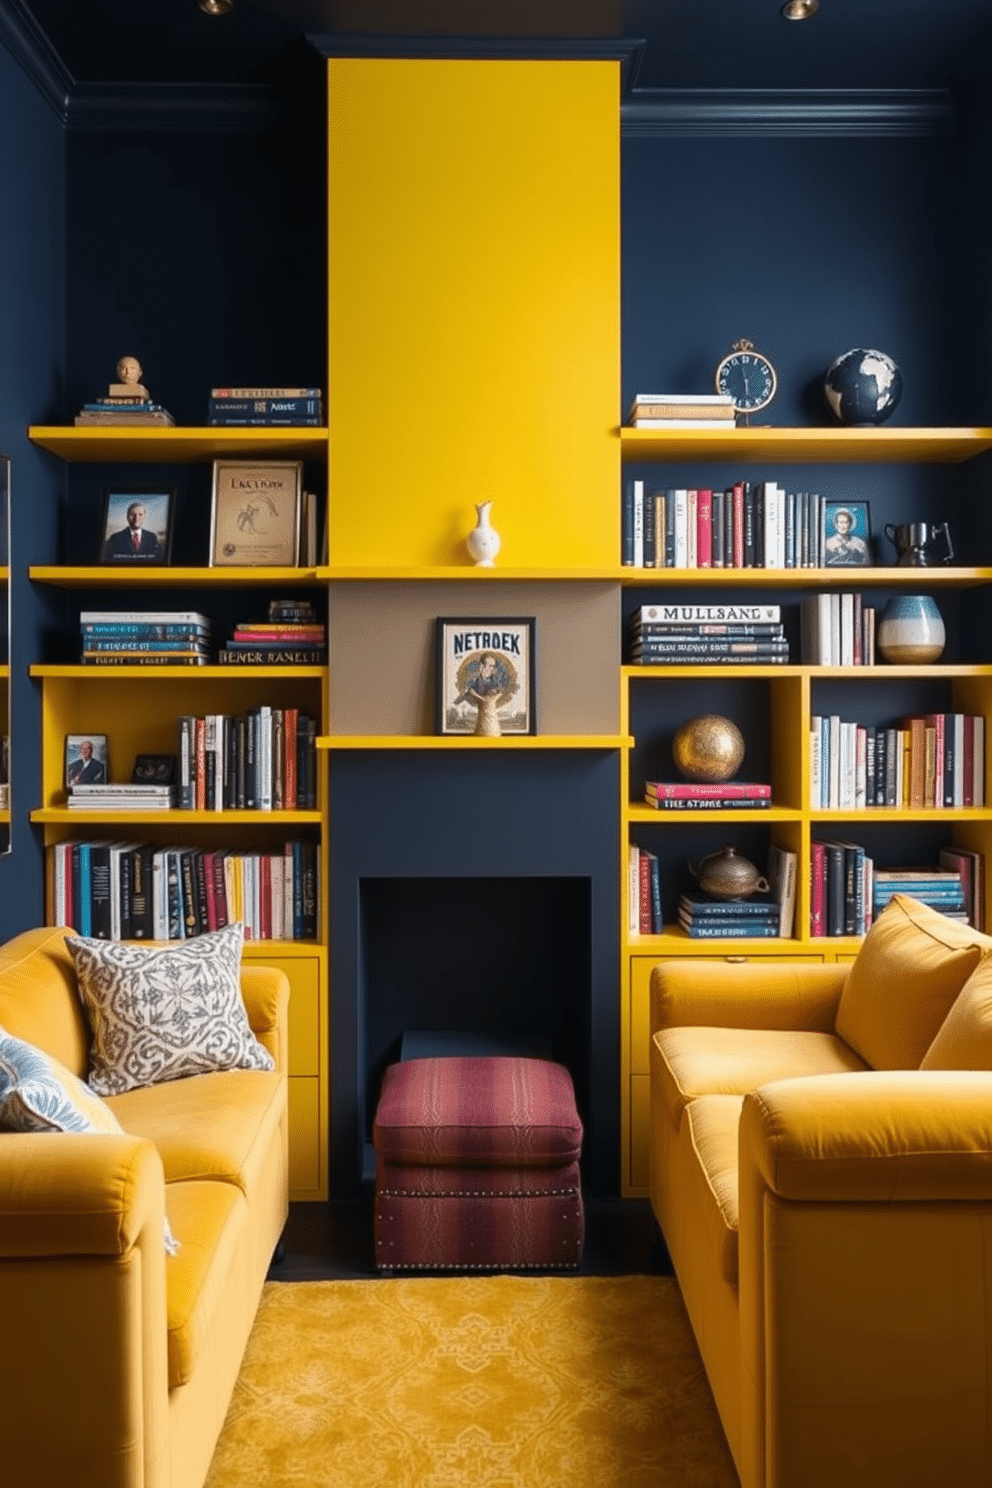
<point x="846" y="534"/>
<point x="485" y="676"/>
<point x="137" y="525"/>
<point x="255" y="513"/>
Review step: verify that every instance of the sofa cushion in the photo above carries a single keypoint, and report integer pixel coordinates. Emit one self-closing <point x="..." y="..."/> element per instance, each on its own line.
<point x="911" y="966"/>
<point x="964" y="1039"/>
<point x="732" y="1061"/>
<point x="38" y="998"/>
<point x="38" y="1094"/>
<point x="713" y="1122"/>
<point x="210" y="1218"/>
<point x="216" y="1126"/>
<point x="165" y="1012"/>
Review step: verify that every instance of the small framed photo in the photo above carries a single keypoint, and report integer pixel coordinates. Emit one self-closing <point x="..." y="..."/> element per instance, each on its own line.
<point x="154" y="769"/>
<point x="255" y="513"/>
<point x="846" y="534"/>
<point x="85" y="759"/>
<point x="485" y="672"/>
<point x="137" y="525"/>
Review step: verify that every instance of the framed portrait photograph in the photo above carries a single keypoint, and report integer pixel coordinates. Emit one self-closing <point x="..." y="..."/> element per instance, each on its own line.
<point x="255" y="513"/>
<point x="85" y="759"/>
<point x="137" y="524"/>
<point x="846" y="534"/>
<point x="485" y="676"/>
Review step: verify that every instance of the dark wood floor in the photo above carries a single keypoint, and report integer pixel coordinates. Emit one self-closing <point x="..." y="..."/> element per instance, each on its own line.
<point x="333" y="1241"/>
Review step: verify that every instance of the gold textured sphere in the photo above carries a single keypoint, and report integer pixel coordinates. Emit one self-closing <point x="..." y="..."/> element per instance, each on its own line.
<point x="709" y="748"/>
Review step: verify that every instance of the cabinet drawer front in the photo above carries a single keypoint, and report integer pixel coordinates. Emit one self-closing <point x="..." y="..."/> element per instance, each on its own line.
<point x="304" y="1011"/>
<point x="640" y="1000"/>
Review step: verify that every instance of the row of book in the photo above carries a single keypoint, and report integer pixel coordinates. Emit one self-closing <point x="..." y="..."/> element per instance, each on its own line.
<point x="750" y="524"/>
<point x="144" y="637"/>
<point x="262" y="760"/>
<point x="837" y="629"/>
<point x="114" y="411"/>
<point x="269" y="407"/>
<point x="932" y="760"/>
<point x="764" y="915"/>
<point x="681" y="411"/>
<point x="749" y="634"/>
<point x="138" y="891"/>
<point x="848" y="892"/>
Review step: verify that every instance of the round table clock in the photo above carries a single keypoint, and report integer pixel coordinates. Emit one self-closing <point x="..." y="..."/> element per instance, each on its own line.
<point x="748" y="377"/>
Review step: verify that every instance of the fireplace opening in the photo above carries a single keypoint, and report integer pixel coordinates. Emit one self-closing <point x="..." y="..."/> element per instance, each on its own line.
<point x="474" y="965"/>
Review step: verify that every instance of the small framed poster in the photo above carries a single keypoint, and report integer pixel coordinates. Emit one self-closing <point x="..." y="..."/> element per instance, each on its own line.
<point x="485" y="668"/>
<point x="85" y="759"/>
<point x="137" y="525"/>
<point x="255" y="513"/>
<point x="846" y="534"/>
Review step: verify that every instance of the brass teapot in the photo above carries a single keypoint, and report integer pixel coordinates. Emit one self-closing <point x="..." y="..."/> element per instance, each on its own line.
<point x="727" y="875"/>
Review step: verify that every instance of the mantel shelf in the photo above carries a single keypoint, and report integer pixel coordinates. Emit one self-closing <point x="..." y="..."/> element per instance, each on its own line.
<point x="808" y="446"/>
<point x="125" y="443"/>
<point x="470" y="741"/>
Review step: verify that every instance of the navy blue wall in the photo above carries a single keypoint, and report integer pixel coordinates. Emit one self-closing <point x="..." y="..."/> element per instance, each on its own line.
<point x="32" y="380"/>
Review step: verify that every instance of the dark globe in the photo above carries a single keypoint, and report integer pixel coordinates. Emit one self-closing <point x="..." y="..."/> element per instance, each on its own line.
<point x="863" y="386"/>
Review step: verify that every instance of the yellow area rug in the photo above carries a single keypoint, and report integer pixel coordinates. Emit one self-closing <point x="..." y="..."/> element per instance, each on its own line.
<point x="473" y="1382"/>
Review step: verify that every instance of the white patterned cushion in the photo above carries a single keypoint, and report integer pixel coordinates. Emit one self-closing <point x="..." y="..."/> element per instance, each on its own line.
<point x="38" y="1094"/>
<point x="161" y="1013"/>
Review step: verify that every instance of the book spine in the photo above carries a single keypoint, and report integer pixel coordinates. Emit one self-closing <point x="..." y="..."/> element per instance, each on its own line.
<point x="711" y="614"/>
<point x="274" y="656"/>
<point x="688" y="803"/>
<point x="728" y="790"/>
<point x="731" y="931"/>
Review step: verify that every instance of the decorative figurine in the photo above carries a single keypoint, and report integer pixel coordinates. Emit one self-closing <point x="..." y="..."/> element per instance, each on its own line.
<point x="130" y="385"/>
<point x="727" y="875"/>
<point x="708" y="748"/>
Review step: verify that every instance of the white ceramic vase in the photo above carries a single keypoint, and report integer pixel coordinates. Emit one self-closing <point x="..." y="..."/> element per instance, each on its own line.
<point x="483" y="541"/>
<point x="911" y="630"/>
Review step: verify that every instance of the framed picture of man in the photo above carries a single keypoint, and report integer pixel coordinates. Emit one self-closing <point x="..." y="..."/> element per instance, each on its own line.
<point x="85" y="759"/>
<point x="485" y="676"/>
<point x="137" y="525"/>
<point x="846" y="534"/>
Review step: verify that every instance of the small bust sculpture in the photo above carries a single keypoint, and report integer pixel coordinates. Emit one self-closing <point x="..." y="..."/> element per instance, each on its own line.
<point x="130" y="385"/>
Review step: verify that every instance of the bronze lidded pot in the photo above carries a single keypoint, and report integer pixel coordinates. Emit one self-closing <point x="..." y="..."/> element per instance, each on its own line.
<point x="727" y="875"/>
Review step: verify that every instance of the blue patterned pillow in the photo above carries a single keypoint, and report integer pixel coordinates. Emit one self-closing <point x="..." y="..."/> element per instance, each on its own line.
<point x="38" y="1094"/>
<point x="163" y="1012"/>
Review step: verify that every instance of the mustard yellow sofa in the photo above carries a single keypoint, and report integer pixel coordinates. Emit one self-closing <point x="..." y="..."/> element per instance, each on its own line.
<point x="821" y="1171"/>
<point x="118" y="1359"/>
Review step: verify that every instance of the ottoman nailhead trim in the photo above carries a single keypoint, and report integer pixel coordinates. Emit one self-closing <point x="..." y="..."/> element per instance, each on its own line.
<point x="478" y="1193"/>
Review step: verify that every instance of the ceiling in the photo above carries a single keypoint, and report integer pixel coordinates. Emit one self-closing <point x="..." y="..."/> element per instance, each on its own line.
<point x="697" y="44"/>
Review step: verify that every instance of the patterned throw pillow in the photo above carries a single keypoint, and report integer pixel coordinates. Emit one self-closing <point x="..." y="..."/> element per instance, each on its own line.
<point x="38" y="1094"/>
<point x="161" y="1013"/>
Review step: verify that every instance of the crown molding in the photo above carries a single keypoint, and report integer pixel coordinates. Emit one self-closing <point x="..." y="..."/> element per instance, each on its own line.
<point x="628" y="51"/>
<point x="30" y="48"/>
<point x="652" y="113"/>
<point x="170" y="106"/>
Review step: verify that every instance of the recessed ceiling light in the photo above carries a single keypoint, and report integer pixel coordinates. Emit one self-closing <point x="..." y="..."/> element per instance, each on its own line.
<point x="216" y="7"/>
<point x="800" y="10"/>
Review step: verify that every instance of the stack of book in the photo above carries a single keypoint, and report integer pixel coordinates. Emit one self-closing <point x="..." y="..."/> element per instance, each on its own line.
<point x="145" y="637"/>
<point x="841" y="879"/>
<point x="750" y="524"/>
<point x="644" y="892"/>
<point x="290" y="636"/>
<point x="266" y="407"/>
<point x="721" y="635"/>
<point x="970" y="868"/>
<point x="122" y="797"/>
<point x="681" y="411"/>
<point x="837" y="629"/>
<point x="116" y="411"/>
<point x="703" y="918"/>
<point x="940" y="888"/>
<point x="728" y="795"/>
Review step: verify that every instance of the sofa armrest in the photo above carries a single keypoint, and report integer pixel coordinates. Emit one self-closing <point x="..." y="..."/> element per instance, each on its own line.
<point x="73" y="1194"/>
<point x="878" y="1135"/>
<point x="786" y="995"/>
<point x="265" y="990"/>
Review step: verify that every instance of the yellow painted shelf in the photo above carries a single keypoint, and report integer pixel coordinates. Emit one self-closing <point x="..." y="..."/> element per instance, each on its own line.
<point x="445" y="574"/>
<point x="803" y="578"/>
<point x="675" y="942"/>
<point x="638" y="814"/>
<point x="808" y="446"/>
<point x="62" y="815"/>
<point x="111" y="577"/>
<point x="470" y="741"/>
<point x="171" y="445"/>
<point x="849" y="674"/>
<point x="171" y="673"/>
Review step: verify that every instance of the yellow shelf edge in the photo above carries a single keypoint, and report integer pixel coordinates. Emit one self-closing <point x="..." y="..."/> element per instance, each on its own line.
<point x="470" y="741"/>
<point x="70" y="576"/>
<point x="174" y="442"/>
<point x="800" y="578"/>
<point x="62" y="814"/>
<point x="362" y="573"/>
<point x="192" y="673"/>
<point x="796" y="445"/>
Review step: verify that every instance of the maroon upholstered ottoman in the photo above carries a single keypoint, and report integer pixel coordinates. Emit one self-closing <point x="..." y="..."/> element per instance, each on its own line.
<point x="477" y="1166"/>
